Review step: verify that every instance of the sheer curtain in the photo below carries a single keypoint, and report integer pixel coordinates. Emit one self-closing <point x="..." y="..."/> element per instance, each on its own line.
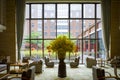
<point x="106" y="24"/>
<point x="20" y="18"/>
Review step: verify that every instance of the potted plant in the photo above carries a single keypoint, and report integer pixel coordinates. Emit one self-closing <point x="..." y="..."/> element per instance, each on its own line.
<point x="61" y="45"/>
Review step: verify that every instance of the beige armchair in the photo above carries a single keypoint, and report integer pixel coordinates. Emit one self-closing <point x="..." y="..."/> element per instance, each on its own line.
<point x="75" y="63"/>
<point x="90" y="62"/>
<point x="48" y="63"/>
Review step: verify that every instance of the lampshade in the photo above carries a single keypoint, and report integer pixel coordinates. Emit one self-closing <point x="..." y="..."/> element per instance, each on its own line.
<point x="2" y="27"/>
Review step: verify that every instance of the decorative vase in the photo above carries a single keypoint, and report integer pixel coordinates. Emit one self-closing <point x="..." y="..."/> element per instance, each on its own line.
<point x="62" y="65"/>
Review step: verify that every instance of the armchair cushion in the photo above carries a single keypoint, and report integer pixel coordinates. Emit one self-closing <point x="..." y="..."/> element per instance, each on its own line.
<point x="75" y="63"/>
<point x="90" y="62"/>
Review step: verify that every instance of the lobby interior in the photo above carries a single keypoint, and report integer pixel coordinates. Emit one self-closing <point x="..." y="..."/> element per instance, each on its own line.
<point x="8" y="44"/>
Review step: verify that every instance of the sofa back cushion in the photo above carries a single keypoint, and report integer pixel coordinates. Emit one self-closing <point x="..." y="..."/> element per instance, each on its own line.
<point x="29" y="74"/>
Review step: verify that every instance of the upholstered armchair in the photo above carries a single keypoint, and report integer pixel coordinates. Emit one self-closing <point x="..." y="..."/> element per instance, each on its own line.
<point x="101" y="74"/>
<point x="48" y="63"/>
<point x="75" y="63"/>
<point x="25" y="59"/>
<point x="38" y="66"/>
<point x="90" y="62"/>
<point x="26" y="75"/>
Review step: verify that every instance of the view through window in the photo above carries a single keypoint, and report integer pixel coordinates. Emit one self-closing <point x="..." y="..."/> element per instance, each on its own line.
<point x="80" y="22"/>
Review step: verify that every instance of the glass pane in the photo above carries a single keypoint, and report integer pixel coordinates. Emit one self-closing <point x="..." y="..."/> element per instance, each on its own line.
<point x="98" y="10"/>
<point x="99" y="25"/>
<point x="26" y="30"/>
<point x="47" y="50"/>
<point x="36" y="49"/>
<point x="49" y="29"/>
<point x="27" y="11"/>
<point x="36" y="11"/>
<point x="100" y="47"/>
<point x="25" y="49"/>
<point x="62" y="27"/>
<point x="89" y="48"/>
<point x="62" y="11"/>
<point x="75" y="11"/>
<point x="89" y="29"/>
<point x="36" y="29"/>
<point x="89" y="11"/>
<point x="80" y="47"/>
<point x="49" y="11"/>
<point x="75" y="28"/>
<point x="76" y="50"/>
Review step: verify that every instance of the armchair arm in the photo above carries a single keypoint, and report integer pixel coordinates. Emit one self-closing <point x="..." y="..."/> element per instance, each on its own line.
<point x="108" y="73"/>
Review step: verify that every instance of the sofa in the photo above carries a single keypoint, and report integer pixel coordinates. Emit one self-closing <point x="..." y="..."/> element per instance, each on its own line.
<point x="90" y="62"/>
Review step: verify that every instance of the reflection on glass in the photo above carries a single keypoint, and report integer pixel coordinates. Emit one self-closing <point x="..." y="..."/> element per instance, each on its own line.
<point x="89" y="11"/>
<point x="98" y="10"/>
<point x="36" y="49"/>
<point x="79" y="44"/>
<point x="75" y="11"/>
<point x="88" y="28"/>
<point x="99" y="25"/>
<point x="26" y="30"/>
<point x="62" y="11"/>
<point x="25" y="49"/>
<point x="62" y="27"/>
<point x="47" y="51"/>
<point x="100" y="46"/>
<point x="49" y="29"/>
<point x="27" y="11"/>
<point x="75" y="28"/>
<point x="89" y="48"/>
<point x="36" y="11"/>
<point x="49" y="11"/>
<point x="36" y="29"/>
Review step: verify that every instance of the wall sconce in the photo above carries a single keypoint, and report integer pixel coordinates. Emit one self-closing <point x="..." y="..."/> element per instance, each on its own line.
<point x="2" y="27"/>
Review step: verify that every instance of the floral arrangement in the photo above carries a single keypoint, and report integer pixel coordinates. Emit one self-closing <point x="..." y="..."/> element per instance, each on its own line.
<point x="61" y="45"/>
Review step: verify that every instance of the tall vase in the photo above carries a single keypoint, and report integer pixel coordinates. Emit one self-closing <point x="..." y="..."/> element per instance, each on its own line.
<point x="62" y="66"/>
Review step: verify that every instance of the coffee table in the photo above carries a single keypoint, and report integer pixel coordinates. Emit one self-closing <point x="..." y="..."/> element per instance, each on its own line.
<point x="18" y="68"/>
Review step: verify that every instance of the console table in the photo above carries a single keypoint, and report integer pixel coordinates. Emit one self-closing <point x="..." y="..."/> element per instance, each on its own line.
<point x="20" y="67"/>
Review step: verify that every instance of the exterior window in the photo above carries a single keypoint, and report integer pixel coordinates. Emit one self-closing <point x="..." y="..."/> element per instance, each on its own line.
<point x="80" y="22"/>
